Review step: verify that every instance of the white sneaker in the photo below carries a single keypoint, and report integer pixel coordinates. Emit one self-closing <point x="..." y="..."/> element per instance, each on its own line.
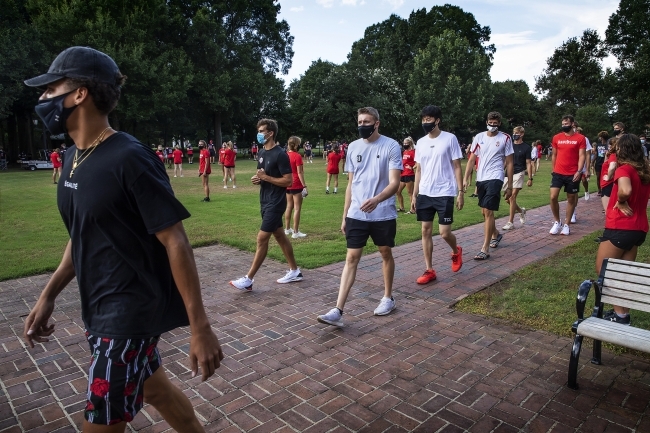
<point x="234" y="186"/>
<point x="508" y="226"/>
<point x="225" y="187"/>
<point x="586" y="195"/>
<point x="174" y="175"/>
<point x="556" y="228"/>
<point x="333" y="317"/>
<point x="573" y="218"/>
<point x="288" y="231"/>
<point x="181" y="175"/>
<point x="291" y="276"/>
<point x="565" y="230"/>
<point x="385" y="306"/>
<point x="298" y="235"/>
<point x="522" y="216"/>
<point x="244" y="283"/>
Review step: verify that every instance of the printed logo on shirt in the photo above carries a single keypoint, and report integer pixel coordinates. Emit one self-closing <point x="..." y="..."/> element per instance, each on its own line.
<point x="359" y="158"/>
<point x="261" y="159"/>
<point x="498" y="143"/>
<point x="70" y="184"/>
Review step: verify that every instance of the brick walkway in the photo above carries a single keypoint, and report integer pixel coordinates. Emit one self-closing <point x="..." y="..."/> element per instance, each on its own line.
<point x="423" y="368"/>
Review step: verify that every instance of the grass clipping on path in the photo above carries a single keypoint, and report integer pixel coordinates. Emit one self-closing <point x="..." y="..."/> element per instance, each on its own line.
<point x="543" y="295"/>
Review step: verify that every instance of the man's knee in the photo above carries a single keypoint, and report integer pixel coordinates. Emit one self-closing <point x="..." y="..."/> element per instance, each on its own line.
<point x="353" y="256"/>
<point x="386" y="253"/>
<point x="427" y="229"/>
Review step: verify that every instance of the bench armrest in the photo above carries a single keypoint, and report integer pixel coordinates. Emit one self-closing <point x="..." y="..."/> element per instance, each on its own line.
<point x="581" y="300"/>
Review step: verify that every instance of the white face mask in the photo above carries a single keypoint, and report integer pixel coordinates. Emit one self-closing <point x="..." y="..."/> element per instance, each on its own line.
<point x="492" y="128"/>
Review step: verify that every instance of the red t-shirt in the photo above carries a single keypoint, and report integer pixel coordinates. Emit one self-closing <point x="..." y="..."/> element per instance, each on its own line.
<point x="204" y="162"/>
<point x="160" y="156"/>
<point x="333" y="159"/>
<point x="190" y="151"/>
<point x="295" y="160"/>
<point x="567" y="152"/>
<point x="222" y="153"/>
<point x="638" y="201"/>
<point x="408" y="158"/>
<point x="605" y="169"/>
<point x="56" y="160"/>
<point x="178" y="156"/>
<point x="539" y="151"/>
<point x="229" y="157"/>
<point x="253" y="149"/>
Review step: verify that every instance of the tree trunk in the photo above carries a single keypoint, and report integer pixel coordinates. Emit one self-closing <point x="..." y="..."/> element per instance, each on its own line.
<point x="217" y="129"/>
<point x="12" y="137"/>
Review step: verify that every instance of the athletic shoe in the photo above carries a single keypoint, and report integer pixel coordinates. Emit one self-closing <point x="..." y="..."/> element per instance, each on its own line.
<point x="573" y="218"/>
<point x="327" y="191"/>
<point x="244" y="283"/>
<point x="613" y="317"/>
<point x="234" y="186"/>
<point x="206" y="199"/>
<point x="386" y="305"/>
<point x="508" y="226"/>
<point x="288" y="231"/>
<point x="181" y="175"/>
<point x="565" y="230"/>
<point x="457" y="259"/>
<point x="586" y="195"/>
<point x="522" y="216"/>
<point x="335" y="192"/>
<point x="291" y="276"/>
<point x="333" y="317"/>
<point x="428" y="276"/>
<point x="556" y="228"/>
<point x="174" y="175"/>
<point x="225" y="187"/>
<point x="298" y="235"/>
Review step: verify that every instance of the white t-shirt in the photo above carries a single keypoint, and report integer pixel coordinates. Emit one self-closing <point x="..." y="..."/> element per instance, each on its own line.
<point x="533" y="152"/>
<point x="587" y="154"/>
<point x="370" y="164"/>
<point x="435" y="158"/>
<point x="491" y="153"/>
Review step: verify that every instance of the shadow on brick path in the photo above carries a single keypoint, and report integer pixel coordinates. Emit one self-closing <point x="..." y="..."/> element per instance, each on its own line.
<point x="423" y="368"/>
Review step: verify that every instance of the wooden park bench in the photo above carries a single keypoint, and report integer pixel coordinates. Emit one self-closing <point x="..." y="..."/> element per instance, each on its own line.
<point x="622" y="283"/>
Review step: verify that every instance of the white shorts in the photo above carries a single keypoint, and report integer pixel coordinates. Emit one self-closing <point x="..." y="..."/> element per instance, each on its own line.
<point x="517" y="181"/>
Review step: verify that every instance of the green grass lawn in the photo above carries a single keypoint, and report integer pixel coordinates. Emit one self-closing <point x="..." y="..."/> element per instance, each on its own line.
<point x="542" y="295"/>
<point x="33" y="237"/>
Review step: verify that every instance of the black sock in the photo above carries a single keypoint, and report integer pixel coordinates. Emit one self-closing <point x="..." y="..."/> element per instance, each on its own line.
<point x="340" y="311"/>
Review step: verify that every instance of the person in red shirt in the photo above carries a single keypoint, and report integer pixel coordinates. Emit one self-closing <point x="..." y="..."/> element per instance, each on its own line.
<point x="56" y="163"/>
<point x="190" y="153"/>
<point x="607" y="173"/>
<point x="222" y="152"/>
<point x="333" y="161"/>
<point x="254" y="151"/>
<point x="161" y="155"/>
<point x="297" y="191"/>
<point x="407" y="177"/>
<point x="568" y="159"/>
<point x="229" y="157"/>
<point x="178" y="160"/>
<point x="204" y="168"/>
<point x="626" y="220"/>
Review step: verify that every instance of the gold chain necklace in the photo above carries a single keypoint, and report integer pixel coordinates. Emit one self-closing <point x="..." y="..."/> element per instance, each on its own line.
<point x="76" y="161"/>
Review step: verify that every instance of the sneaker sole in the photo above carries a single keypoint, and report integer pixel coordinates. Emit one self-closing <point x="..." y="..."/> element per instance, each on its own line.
<point x="293" y="280"/>
<point x="245" y="289"/>
<point x="330" y="322"/>
<point x="386" y="313"/>
<point x="426" y="282"/>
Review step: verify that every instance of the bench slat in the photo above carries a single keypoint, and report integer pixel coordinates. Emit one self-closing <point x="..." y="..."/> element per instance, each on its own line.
<point x="629" y="278"/>
<point x="625" y="303"/>
<point x="617" y="289"/>
<point x="624" y="266"/>
<point x="612" y="332"/>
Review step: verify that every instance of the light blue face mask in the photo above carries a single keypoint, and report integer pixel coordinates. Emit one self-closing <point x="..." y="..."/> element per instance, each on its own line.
<point x="260" y="138"/>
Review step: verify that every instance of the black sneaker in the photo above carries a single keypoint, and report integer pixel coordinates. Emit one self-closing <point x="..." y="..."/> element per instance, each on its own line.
<point x="613" y="317"/>
<point x="206" y="199"/>
<point x="327" y="191"/>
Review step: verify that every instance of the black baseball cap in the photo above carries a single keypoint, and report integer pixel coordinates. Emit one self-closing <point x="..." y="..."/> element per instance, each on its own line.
<point x="78" y="62"/>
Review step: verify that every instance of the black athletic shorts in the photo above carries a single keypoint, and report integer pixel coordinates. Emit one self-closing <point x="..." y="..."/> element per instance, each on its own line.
<point x="607" y="190"/>
<point x="624" y="239"/>
<point x="560" y="180"/>
<point x="382" y="233"/>
<point x="116" y="375"/>
<point x="271" y="221"/>
<point x="294" y="191"/>
<point x="489" y="193"/>
<point x="407" y="179"/>
<point x="426" y="208"/>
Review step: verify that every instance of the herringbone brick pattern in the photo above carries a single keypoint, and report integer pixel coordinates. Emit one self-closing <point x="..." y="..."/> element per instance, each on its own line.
<point x="424" y="368"/>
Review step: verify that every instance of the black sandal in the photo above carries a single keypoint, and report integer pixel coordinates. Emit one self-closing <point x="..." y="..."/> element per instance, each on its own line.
<point x="482" y="256"/>
<point x="495" y="242"/>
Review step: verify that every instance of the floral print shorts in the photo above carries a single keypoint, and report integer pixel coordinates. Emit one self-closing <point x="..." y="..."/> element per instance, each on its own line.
<point x="118" y="369"/>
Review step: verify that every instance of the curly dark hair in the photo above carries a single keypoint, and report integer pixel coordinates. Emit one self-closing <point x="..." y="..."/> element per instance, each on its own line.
<point x="105" y="96"/>
<point x="630" y="152"/>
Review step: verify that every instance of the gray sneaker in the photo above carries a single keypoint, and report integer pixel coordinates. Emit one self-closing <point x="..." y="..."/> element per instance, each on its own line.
<point x="333" y="317"/>
<point x="386" y="305"/>
<point x="522" y="216"/>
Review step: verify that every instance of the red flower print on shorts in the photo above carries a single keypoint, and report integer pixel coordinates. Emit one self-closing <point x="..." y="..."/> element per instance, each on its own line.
<point x="128" y="356"/>
<point x="129" y="389"/>
<point x="99" y="387"/>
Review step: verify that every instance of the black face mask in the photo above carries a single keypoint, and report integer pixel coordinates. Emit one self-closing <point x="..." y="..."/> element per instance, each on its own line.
<point x="566" y="128"/>
<point x="428" y="127"/>
<point x="516" y="137"/>
<point x="54" y="114"/>
<point x="366" y="131"/>
<point x="617" y="131"/>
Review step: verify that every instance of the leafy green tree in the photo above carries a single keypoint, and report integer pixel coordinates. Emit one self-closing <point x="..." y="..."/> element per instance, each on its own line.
<point x="454" y="75"/>
<point x="593" y="119"/>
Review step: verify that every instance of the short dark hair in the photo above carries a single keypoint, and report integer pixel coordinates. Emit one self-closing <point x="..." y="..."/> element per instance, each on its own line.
<point x="494" y="115"/>
<point x="620" y="125"/>
<point x="105" y="96"/>
<point x="431" y="111"/>
<point x="271" y="125"/>
<point x="369" y="110"/>
<point x="568" y="117"/>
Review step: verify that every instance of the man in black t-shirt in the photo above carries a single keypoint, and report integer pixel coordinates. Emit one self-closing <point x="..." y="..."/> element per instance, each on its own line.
<point x="125" y="226"/>
<point x="522" y="162"/>
<point x="274" y="177"/>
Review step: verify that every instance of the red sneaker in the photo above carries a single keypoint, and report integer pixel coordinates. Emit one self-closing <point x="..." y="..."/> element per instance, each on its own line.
<point x="457" y="260"/>
<point x="427" y="277"/>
